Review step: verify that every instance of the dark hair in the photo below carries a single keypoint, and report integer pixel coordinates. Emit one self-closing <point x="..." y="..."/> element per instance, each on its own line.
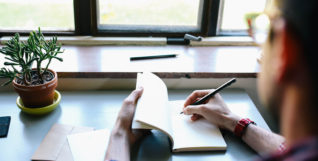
<point x="302" y="18"/>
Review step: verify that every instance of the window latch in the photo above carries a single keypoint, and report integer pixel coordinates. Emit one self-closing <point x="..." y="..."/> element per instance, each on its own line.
<point x="183" y="41"/>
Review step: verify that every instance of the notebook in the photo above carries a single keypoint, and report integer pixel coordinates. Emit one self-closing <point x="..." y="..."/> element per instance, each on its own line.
<point x="155" y="111"/>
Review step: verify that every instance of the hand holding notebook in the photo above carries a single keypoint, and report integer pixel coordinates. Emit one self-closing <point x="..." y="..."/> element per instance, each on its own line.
<point x="154" y="111"/>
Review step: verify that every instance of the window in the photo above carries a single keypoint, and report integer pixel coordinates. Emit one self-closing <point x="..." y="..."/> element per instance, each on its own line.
<point x="232" y="19"/>
<point x="57" y="15"/>
<point x="150" y="15"/>
<point x="149" y="12"/>
<point x="170" y="18"/>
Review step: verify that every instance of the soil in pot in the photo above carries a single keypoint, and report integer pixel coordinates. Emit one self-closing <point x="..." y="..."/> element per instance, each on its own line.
<point x="47" y="77"/>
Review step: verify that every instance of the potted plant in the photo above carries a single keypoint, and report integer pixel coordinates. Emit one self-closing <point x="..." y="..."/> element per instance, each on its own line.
<point x="35" y="86"/>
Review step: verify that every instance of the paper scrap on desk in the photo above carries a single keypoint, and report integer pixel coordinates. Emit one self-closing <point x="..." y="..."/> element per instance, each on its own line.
<point x="54" y="146"/>
<point x="89" y="146"/>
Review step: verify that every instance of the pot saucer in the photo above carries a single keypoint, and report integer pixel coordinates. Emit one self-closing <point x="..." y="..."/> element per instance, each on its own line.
<point x="40" y="110"/>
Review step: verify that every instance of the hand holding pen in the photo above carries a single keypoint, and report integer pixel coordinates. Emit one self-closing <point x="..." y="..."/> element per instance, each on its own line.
<point x="213" y="109"/>
<point x="212" y="93"/>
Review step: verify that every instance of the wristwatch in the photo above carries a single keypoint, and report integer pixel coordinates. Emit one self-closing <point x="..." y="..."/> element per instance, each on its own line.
<point x="241" y="126"/>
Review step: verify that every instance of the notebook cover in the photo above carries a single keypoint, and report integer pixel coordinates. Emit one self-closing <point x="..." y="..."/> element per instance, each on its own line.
<point x="4" y="125"/>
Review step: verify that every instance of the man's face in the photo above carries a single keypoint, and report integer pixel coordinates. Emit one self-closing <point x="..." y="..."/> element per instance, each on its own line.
<point x="268" y="88"/>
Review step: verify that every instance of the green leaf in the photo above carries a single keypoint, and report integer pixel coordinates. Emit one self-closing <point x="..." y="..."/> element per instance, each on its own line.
<point x="24" y="54"/>
<point x="31" y="61"/>
<point x="59" y="59"/>
<point x="11" y="59"/>
<point x="8" y="63"/>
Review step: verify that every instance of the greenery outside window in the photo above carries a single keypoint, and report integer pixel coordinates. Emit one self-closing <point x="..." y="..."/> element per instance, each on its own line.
<point x="164" y="18"/>
<point x="28" y="15"/>
<point x="149" y="16"/>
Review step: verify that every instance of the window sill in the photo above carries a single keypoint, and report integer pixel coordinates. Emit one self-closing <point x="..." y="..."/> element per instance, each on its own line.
<point x="145" y="41"/>
<point x="191" y="62"/>
<point x="109" y="67"/>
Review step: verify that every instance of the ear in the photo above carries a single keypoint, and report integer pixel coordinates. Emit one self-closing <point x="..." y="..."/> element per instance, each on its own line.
<point x="288" y="56"/>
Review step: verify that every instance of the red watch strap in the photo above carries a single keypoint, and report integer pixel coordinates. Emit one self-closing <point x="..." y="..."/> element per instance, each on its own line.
<point x="241" y="126"/>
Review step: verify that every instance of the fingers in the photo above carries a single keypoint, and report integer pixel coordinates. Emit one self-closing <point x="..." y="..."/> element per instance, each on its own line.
<point x="129" y="104"/>
<point x="196" y="109"/>
<point x="127" y="111"/>
<point x="194" y="96"/>
<point x="134" y="96"/>
<point x="195" y="117"/>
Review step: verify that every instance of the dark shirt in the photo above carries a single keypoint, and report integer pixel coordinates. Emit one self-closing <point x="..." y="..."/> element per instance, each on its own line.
<point x="306" y="150"/>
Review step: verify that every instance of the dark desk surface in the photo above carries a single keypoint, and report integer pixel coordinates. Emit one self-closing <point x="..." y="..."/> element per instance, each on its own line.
<point x="99" y="109"/>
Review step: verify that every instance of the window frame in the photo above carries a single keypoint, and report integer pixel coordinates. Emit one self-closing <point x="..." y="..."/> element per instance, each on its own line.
<point x="147" y="30"/>
<point x="220" y="32"/>
<point x="86" y="23"/>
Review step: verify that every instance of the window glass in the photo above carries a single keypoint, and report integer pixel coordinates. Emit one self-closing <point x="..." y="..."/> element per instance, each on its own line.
<point x="149" y="12"/>
<point x="234" y="11"/>
<point x="31" y="14"/>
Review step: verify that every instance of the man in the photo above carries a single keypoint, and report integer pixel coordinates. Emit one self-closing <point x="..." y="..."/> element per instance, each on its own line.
<point x="287" y="86"/>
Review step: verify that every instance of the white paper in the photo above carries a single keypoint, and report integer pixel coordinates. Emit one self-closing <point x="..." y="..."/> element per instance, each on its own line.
<point x="89" y="146"/>
<point x="193" y="135"/>
<point x="152" y="105"/>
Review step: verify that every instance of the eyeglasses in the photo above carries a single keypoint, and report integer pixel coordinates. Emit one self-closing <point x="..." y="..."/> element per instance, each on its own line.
<point x="258" y="27"/>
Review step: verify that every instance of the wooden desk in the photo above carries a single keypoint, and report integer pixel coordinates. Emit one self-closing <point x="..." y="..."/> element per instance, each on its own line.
<point x="99" y="109"/>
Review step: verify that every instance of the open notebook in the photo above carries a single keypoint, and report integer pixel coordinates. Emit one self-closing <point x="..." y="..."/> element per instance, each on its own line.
<point x="155" y="111"/>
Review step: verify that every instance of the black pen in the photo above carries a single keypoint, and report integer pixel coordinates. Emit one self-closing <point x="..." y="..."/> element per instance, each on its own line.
<point x="153" y="57"/>
<point x="211" y="94"/>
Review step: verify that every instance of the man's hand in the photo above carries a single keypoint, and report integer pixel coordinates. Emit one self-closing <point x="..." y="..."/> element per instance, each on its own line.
<point x="214" y="110"/>
<point x="126" y="115"/>
<point x="122" y="136"/>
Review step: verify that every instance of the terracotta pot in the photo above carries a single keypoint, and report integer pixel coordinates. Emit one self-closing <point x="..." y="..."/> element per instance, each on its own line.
<point x="38" y="95"/>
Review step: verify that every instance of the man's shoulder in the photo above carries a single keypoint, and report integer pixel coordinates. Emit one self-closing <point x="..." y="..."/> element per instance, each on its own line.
<point x="306" y="150"/>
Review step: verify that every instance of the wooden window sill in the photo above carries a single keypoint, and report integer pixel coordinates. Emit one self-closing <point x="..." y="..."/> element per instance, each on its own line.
<point x="144" y="41"/>
<point x="191" y="62"/>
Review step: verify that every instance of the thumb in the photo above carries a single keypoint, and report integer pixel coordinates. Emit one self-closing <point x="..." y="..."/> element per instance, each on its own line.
<point x="134" y="96"/>
<point x="137" y="92"/>
<point x="193" y="109"/>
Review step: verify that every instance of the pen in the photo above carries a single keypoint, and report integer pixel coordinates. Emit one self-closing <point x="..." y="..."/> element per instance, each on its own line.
<point x="211" y="94"/>
<point x="153" y="57"/>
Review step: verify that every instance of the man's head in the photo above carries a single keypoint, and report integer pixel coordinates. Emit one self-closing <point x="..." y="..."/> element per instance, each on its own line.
<point x="290" y="55"/>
